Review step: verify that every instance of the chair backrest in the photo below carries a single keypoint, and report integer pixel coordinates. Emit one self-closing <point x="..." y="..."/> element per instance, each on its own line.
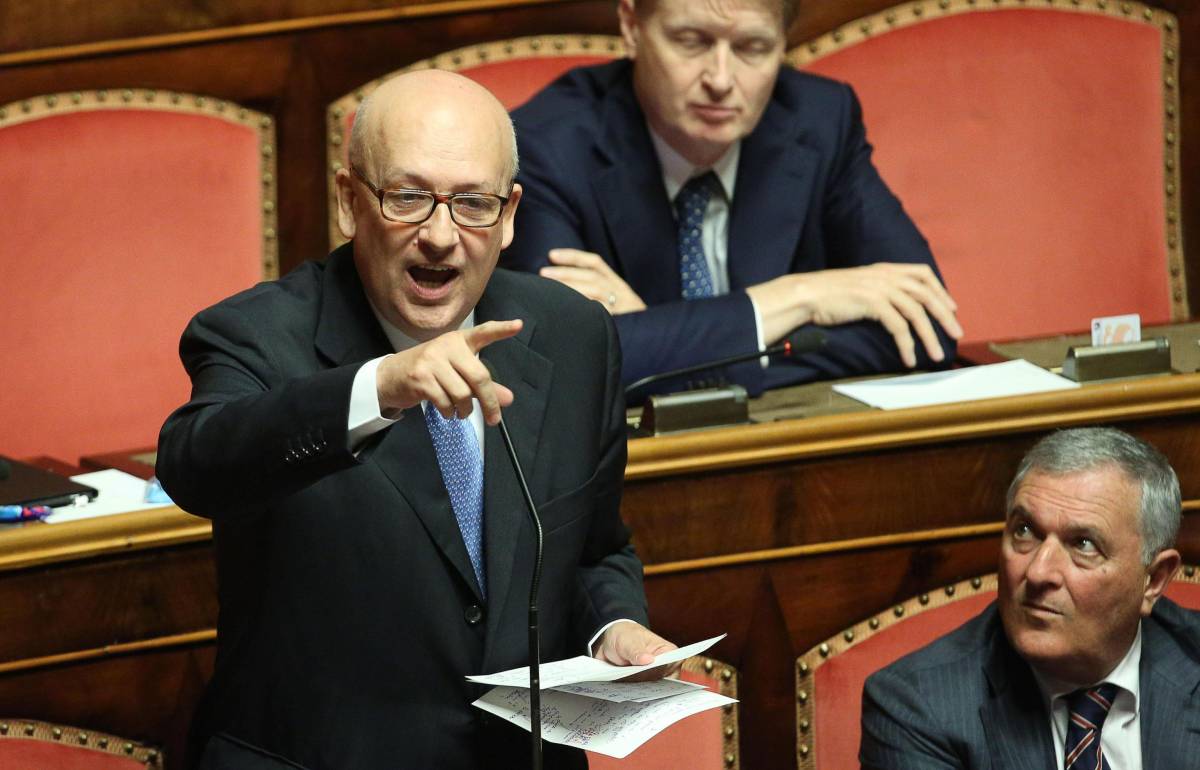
<point x="704" y="741"/>
<point x="513" y="70"/>
<point x="1035" y="145"/>
<point x="31" y="745"/>
<point x="830" y="676"/>
<point x="125" y="212"/>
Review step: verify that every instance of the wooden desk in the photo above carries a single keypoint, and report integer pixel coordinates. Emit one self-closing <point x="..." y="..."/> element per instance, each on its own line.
<point x="780" y="533"/>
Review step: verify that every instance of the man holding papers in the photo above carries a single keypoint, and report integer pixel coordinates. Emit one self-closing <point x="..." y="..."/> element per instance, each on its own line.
<point x="372" y="541"/>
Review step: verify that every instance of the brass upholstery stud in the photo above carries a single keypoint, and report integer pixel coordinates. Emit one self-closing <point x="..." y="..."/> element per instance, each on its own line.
<point x="943" y="4"/>
<point x="1189" y="570"/>
<point x="837" y="36"/>
<point x="175" y="98"/>
<point x="726" y="675"/>
<point x="559" y="45"/>
<point x="890" y="18"/>
<point x="3" y="113"/>
<point x="535" y="44"/>
<point x="804" y="749"/>
<point x="1178" y="295"/>
<point x="3" y="728"/>
<point x="824" y="650"/>
<point x="51" y="100"/>
<point x="268" y="177"/>
<point x="1147" y="14"/>
<point x="873" y="623"/>
<point x="152" y="757"/>
<point x="29" y="729"/>
<point x="56" y="732"/>
<point x="336" y="140"/>
<point x="802" y="696"/>
<point x="804" y="725"/>
<point x="708" y="666"/>
<point x="127" y="96"/>
<point x="102" y="743"/>
<point x="456" y="59"/>
<point x="729" y="760"/>
<point x="1170" y="137"/>
<point x="1171" y="188"/>
<point x="1171" y="216"/>
<point x="482" y="54"/>
<point x="1102" y="4"/>
<point x="265" y="121"/>
<point x="76" y="97"/>
<point x="728" y="732"/>
<point x="898" y="610"/>
<point x="848" y="635"/>
<point x="918" y="10"/>
<point x="950" y="590"/>
<point x="127" y="748"/>
<point x="1169" y="54"/>
<point x="200" y="101"/>
<point x="26" y="106"/>
<point x="802" y="667"/>
<point x="338" y="113"/>
<point x="1175" y="271"/>
<point x="1126" y="8"/>
<point x="727" y="708"/>
<point x="83" y="738"/>
<point x="1169" y="25"/>
<point x="585" y="43"/>
<point x="269" y="233"/>
<point x="148" y="95"/>
<point x="220" y="105"/>
<point x="976" y="582"/>
<point x="812" y="47"/>
<point x="267" y="150"/>
<point x="268" y="206"/>
<point x="865" y="28"/>
<point x="101" y="95"/>
<point x="1170" y="164"/>
<point x="923" y="599"/>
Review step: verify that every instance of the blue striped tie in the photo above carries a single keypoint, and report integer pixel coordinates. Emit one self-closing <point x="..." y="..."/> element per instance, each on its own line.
<point x="1088" y="709"/>
<point x="690" y="205"/>
<point x="461" y="464"/>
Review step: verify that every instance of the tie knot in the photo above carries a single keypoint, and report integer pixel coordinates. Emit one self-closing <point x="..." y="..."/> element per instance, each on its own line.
<point x="696" y="193"/>
<point x="1092" y="704"/>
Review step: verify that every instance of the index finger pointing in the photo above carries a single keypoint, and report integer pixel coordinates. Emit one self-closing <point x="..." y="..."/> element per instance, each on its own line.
<point x="485" y="334"/>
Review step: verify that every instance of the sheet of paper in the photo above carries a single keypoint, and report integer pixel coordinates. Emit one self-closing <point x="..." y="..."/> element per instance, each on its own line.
<point x="1010" y="378"/>
<point x="585" y="669"/>
<point x="120" y="492"/>
<point x="622" y="692"/>
<point x="615" y="729"/>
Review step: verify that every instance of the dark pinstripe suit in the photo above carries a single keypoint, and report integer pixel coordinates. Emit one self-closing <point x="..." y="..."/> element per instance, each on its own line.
<point x="969" y="701"/>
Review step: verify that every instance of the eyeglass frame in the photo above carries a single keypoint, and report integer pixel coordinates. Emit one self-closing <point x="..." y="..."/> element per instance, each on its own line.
<point x="438" y="199"/>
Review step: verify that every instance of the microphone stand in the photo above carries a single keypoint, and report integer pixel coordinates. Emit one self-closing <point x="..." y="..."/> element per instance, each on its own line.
<point x="535" y="684"/>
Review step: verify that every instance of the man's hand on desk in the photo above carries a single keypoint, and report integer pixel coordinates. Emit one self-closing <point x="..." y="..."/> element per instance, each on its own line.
<point x="447" y="372"/>
<point x="901" y="297"/>
<point x="590" y="275"/>
<point x="631" y="644"/>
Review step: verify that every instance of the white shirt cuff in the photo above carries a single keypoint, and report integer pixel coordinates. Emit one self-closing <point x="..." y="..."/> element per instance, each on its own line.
<point x="600" y="633"/>
<point x="758" y="324"/>
<point x="365" y="417"/>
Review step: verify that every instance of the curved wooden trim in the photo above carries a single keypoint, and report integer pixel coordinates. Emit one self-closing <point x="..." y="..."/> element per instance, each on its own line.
<point x="909" y="13"/>
<point x="39" y="543"/>
<point x="528" y="47"/>
<point x="832" y="546"/>
<point x="259" y="29"/>
<point x="155" y="644"/>
<point x="874" y="430"/>
<point x="46" y="105"/>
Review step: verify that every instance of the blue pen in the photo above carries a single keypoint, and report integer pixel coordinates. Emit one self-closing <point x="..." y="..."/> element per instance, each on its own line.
<point x="12" y="513"/>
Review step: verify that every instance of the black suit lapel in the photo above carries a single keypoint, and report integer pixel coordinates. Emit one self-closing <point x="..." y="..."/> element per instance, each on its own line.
<point x="1170" y="717"/>
<point x="633" y="200"/>
<point x="528" y="375"/>
<point x="775" y="179"/>
<point x="347" y="331"/>
<point x="1014" y="718"/>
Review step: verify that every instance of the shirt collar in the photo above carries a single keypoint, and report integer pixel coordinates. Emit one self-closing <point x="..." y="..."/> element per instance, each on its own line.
<point x="401" y="341"/>
<point x="1126" y="675"/>
<point x="677" y="170"/>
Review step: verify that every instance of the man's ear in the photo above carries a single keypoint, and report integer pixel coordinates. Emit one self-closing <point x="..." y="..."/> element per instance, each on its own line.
<point x="506" y="219"/>
<point x="630" y="26"/>
<point x="1158" y="577"/>
<point x="345" y="199"/>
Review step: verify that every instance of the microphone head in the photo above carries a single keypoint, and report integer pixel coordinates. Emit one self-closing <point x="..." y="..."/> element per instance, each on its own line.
<point x="806" y="339"/>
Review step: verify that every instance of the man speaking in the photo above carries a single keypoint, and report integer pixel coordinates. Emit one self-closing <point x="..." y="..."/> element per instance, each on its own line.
<point x="373" y="546"/>
<point x="715" y="201"/>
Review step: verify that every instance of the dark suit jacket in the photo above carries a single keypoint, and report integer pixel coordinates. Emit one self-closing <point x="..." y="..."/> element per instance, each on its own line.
<point x="807" y="198"/>
<point x="969" y="701"/>
<point x="349" y="612"/>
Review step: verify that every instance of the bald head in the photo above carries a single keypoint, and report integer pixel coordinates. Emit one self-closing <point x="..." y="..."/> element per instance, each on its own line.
<point x="443" y="103"/>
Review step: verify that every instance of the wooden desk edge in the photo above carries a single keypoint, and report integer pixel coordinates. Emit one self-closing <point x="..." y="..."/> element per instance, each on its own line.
<point x="34" y="545"/>
<point x="874" y="429"/>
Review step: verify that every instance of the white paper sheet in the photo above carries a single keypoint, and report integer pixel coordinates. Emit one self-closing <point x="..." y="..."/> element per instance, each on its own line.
<point x="615" y="729"/>
<point x="1010" y="378"/>
<point x="120" y="492"/>
<point x="637" y="692"/>
<point x="585" y="669"/>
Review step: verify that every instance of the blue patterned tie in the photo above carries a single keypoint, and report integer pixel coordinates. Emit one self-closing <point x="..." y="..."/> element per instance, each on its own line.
<point x="1088" y="709"/>
<point x="462" y="470"/>
<point x="690" y="205"/>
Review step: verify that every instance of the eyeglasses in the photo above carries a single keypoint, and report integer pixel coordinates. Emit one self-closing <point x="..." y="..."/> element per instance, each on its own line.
<point x="415" y="206"/>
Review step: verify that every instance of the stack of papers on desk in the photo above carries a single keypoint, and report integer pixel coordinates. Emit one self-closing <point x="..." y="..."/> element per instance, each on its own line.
<point x="583" y="705"/>
<point x="1011" y="378"/>
<point x="120" y="492"/>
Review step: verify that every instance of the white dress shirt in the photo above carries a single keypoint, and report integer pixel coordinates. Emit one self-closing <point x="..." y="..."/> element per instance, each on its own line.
<point x="1120" y="736"/>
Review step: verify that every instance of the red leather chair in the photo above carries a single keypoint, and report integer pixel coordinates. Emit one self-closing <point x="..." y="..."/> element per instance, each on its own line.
<point x="514" y="70"/>
<point x="1035" y="144"/>
<point x="125" y="212"/>
<point x="704" y="741"/>
<point x="830" y="676"/>
<point x="32" y="745"/>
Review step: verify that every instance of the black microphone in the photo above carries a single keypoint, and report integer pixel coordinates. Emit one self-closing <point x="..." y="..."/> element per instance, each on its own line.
<point x="535" y="675"/>
<point x="799" y="342"/>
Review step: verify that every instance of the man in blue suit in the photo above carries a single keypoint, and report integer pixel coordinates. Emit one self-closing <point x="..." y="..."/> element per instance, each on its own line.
<point x="1081" y="662"/>
<point x="714" y="201"/>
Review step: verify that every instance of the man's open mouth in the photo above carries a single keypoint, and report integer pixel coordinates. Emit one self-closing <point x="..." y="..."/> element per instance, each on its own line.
<point x="432" y="277"/>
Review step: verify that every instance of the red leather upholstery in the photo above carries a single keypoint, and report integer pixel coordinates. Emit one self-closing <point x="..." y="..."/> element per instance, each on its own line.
<point x="67" y="748"/>
<point x="1028" y="145"/>
<point x="695" y="743"/>
<point x="834" y="686"/>
<point x="118" y="225"/>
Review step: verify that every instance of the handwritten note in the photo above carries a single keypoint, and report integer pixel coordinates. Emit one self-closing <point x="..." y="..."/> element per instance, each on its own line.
<point x="585" y="669"/>
<point x="598" y="725"/>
